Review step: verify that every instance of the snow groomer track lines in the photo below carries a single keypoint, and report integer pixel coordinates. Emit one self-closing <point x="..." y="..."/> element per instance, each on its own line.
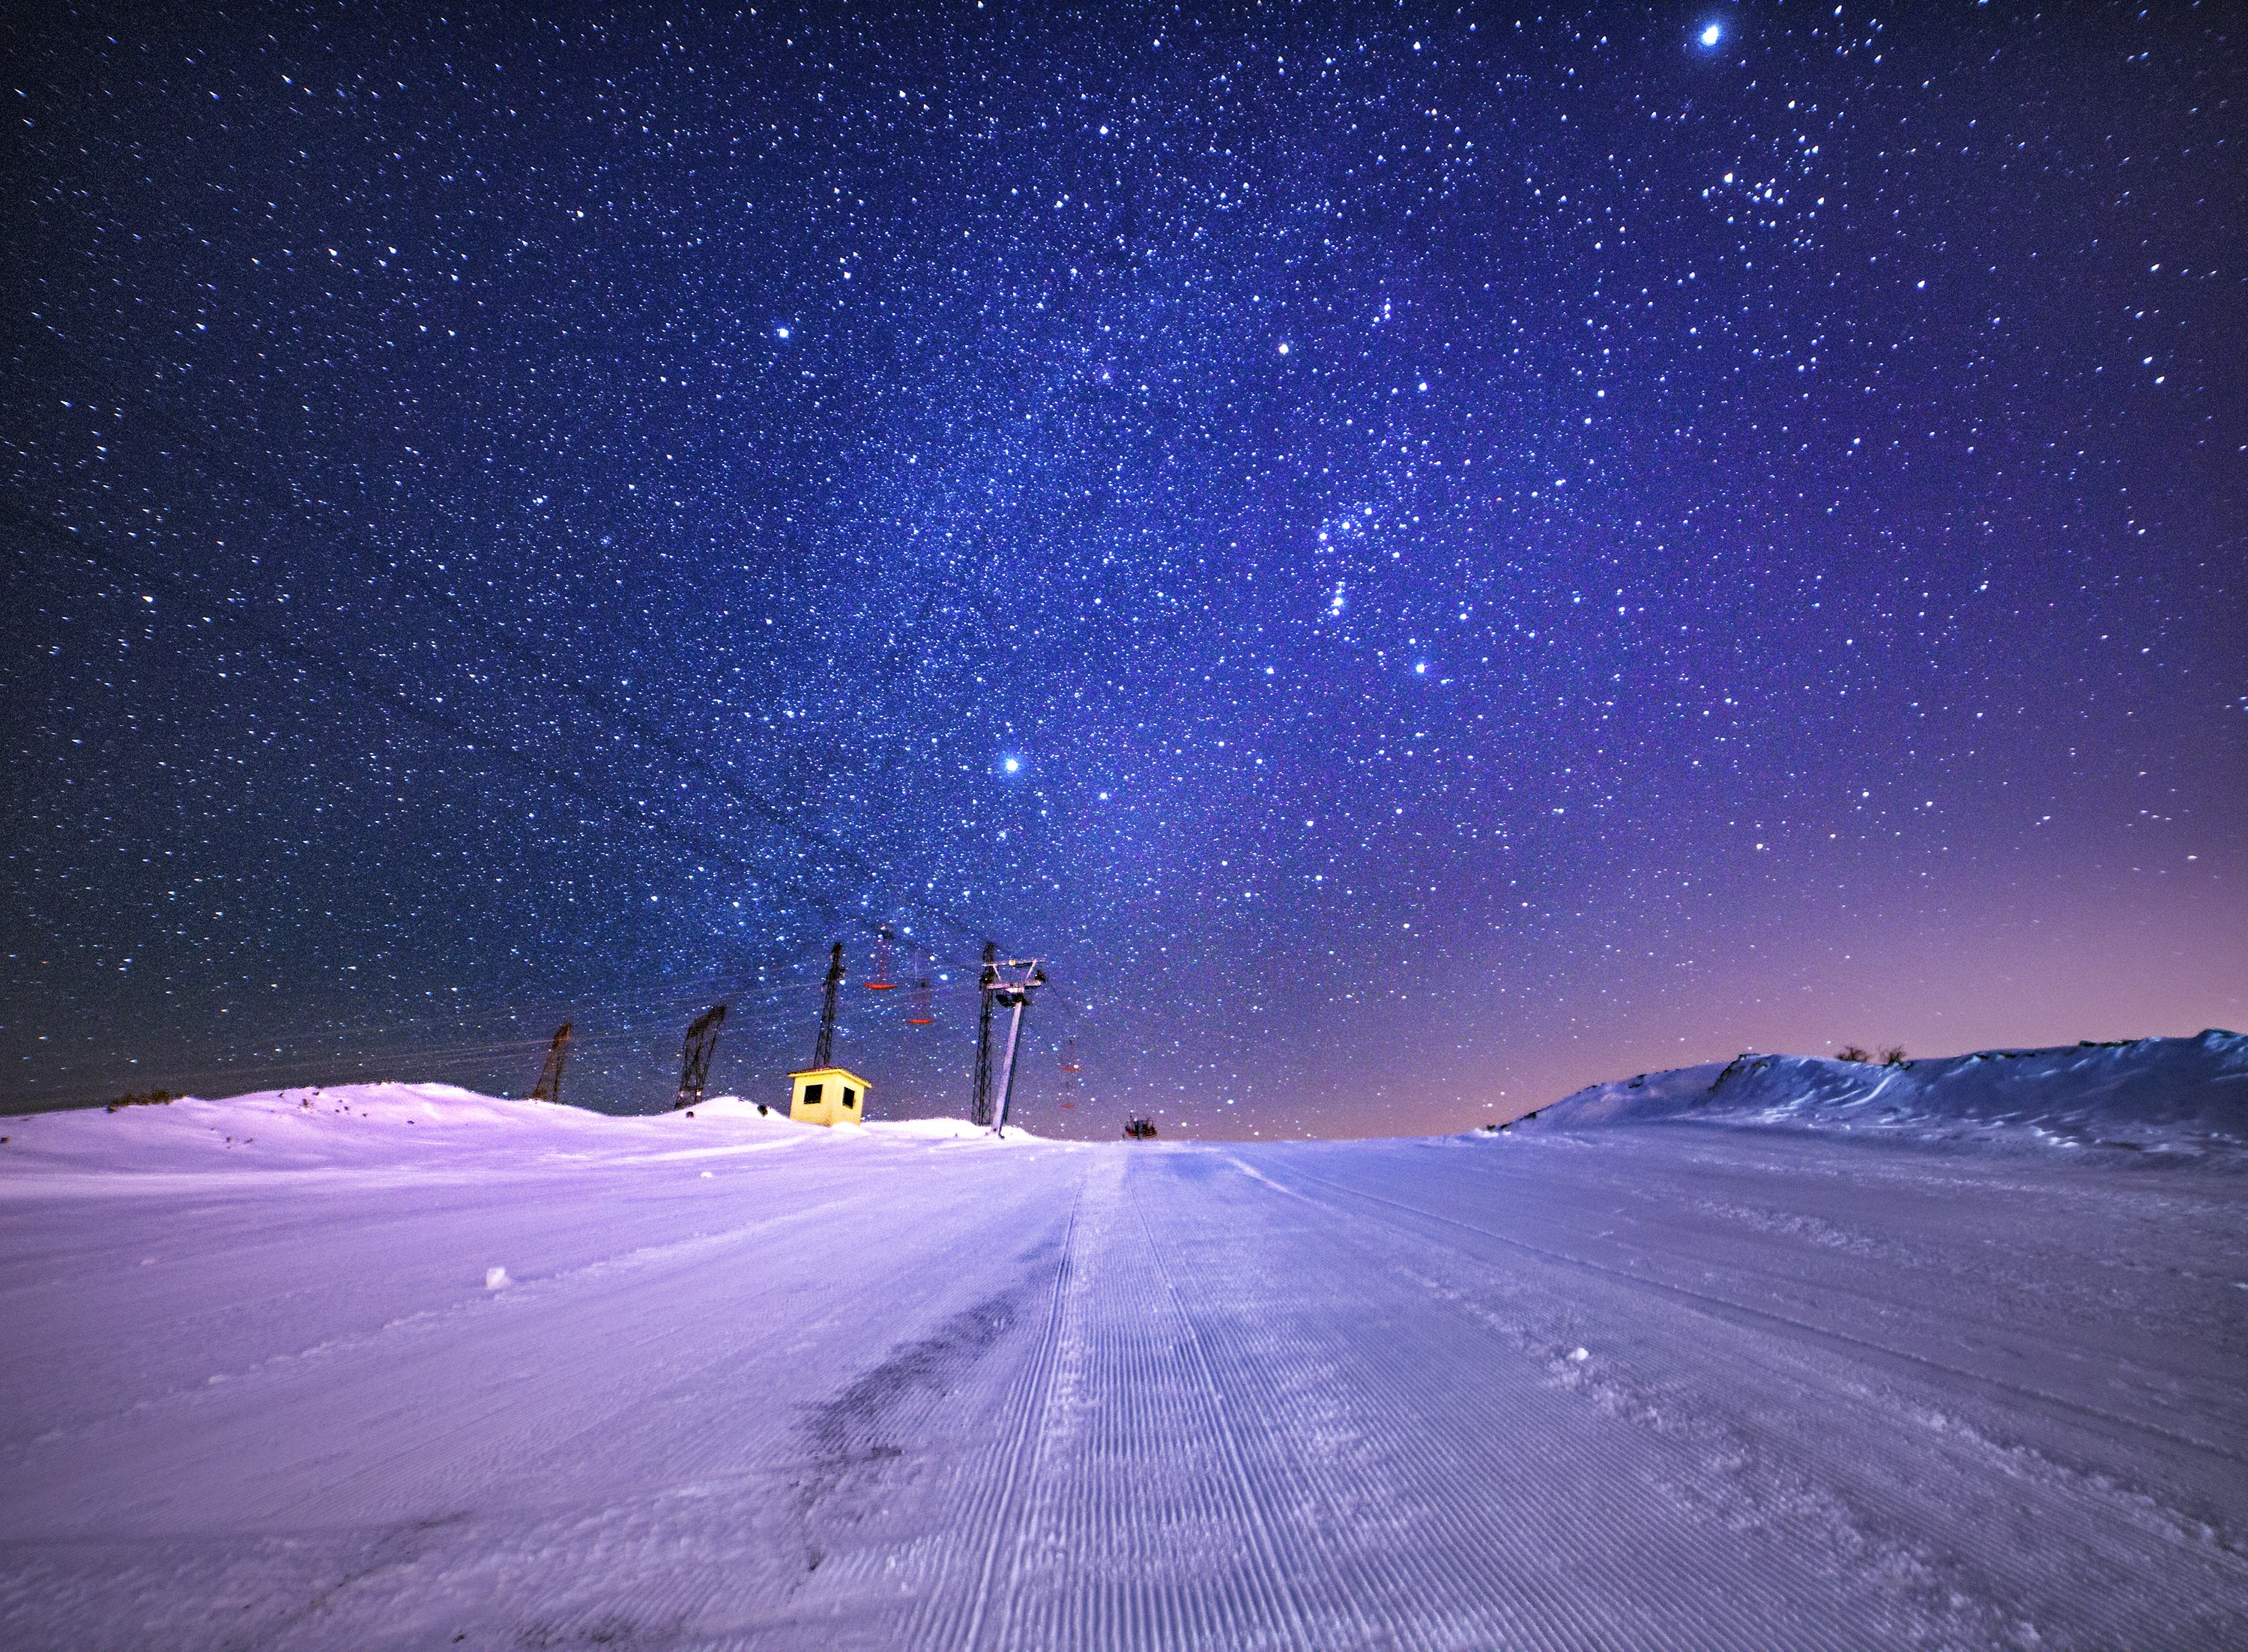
<point x="308" y="1378"/>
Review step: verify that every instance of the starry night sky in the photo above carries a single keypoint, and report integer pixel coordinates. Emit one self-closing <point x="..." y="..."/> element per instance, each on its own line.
<point x="1418" y="557"/>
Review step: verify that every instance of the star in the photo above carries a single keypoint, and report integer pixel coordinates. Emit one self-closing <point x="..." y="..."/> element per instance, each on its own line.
<point x="728" y="627"/>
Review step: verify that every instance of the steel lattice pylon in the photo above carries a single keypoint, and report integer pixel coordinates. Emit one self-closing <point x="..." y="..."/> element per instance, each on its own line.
<point x="825" y="1048"/>
<point x="549" y="1087"/>
<point x="695" y="1058"/>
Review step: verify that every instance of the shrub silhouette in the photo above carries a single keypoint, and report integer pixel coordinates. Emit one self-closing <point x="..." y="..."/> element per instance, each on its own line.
<point x="1851" y="1053"/>
<point x="1893" y="1056"/>
<point x="141" y="1099"/>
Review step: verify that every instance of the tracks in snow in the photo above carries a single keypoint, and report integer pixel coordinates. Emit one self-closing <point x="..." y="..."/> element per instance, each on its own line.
<point x="1253" y="1441"/>
<point x="2046" y="1518"/>
<point x="1749" y="1315"/>
<point x="1319" y="1398"/>
<point x="1031" y="1406"/>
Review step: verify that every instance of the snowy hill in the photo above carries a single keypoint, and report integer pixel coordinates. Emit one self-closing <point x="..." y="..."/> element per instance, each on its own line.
<point x="423" y="1128"/>
<point x="2187" y="1096"/>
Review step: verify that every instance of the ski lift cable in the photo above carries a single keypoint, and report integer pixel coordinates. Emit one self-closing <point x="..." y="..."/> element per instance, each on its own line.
<point x="770" y="1005"/>
<point x="102" y="548"/>
<point x="604" y="705"/>
<point x="610" y="1021"/>
<point x="622" y="1006"/>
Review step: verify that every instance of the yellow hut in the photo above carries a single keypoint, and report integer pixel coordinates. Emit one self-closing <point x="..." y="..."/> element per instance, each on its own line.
<point x="827" y="1095"/>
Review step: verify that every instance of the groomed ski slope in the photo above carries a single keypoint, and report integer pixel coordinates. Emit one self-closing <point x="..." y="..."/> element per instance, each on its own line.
<point x="750" y="1384"/>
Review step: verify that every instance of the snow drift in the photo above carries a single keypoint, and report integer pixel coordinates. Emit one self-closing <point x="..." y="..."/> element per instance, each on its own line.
<point x="418" y="1128"/>
<point x="2163" y="1095"/>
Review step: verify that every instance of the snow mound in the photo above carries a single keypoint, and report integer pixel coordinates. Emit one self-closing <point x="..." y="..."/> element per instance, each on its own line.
<point x="941" y="1130"/>
<point x="413" y="1128"/>
<point x="2166" y="1095"/>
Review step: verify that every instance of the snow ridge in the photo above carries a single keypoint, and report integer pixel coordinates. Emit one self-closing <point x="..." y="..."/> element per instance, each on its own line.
<point x="421" y="1130"/>
<point x="2162" y="1095"/>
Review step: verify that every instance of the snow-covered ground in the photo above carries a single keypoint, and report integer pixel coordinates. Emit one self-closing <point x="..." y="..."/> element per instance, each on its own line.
<point x="507" y="1375"/>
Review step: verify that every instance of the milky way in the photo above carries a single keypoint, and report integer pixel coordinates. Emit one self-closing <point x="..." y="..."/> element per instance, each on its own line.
<point x="1416" y="559"/>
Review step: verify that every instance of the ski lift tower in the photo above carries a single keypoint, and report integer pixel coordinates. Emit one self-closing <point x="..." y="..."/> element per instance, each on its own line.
<point x="980" y="1110"/>
<point x="549" y="1087"/>
<point x="695" y="1056"/>
<point x="1010" y="984"/>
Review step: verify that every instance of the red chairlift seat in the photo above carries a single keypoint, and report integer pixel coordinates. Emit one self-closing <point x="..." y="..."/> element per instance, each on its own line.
<point x="881" y="982"/>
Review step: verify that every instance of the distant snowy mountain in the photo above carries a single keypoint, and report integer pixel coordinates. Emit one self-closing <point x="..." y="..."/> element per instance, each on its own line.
<point x="2166" y="1095"/>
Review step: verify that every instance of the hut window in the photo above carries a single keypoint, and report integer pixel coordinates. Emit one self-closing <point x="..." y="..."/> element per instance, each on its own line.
<point x="812" y="1094"/>
<point x="850" y="1097"/>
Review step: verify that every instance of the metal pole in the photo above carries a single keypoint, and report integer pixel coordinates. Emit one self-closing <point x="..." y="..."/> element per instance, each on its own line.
<point x="1007" y="1064"/>
<point x="979" y="1112"/>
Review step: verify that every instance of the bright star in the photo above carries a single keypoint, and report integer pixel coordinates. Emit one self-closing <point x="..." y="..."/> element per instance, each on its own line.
<point x="1013" y="764"/>
<point x="1711" y="35"/>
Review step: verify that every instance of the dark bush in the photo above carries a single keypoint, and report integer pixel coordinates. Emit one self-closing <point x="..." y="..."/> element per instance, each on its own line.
<point x="1852" y="1053"/>
<point x="1893" y="1056"/>
<point x="142" y="1099"/>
